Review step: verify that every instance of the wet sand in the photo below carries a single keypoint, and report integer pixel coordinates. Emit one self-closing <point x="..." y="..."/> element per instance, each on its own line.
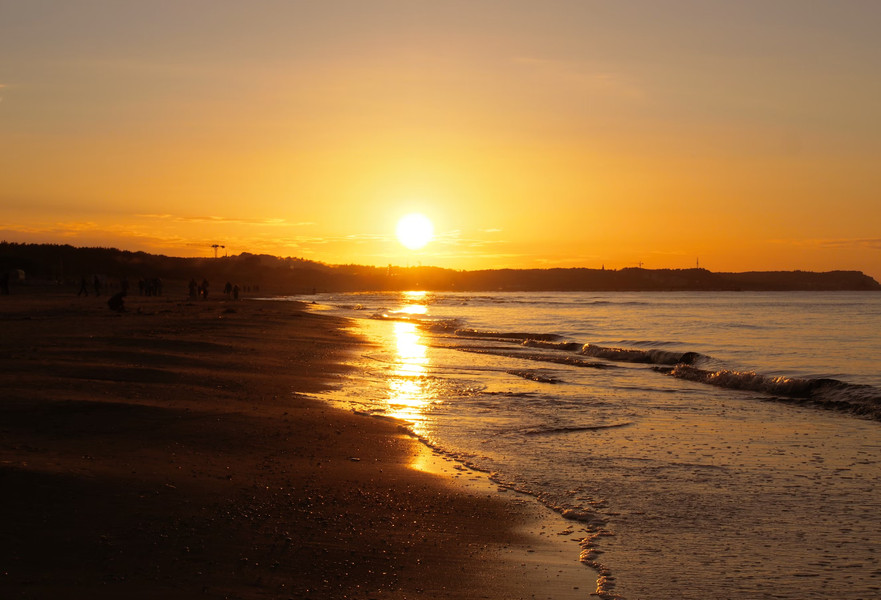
<point x="170" y="451"/>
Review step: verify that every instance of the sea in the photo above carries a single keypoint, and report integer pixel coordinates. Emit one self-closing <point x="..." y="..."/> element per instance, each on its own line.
<point x="706" y="444"/>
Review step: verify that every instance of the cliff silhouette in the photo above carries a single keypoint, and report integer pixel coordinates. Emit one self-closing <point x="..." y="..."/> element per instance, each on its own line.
<point x="52" y="265"/>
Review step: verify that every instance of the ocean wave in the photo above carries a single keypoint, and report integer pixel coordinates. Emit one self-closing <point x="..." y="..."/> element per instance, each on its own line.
<point x="653" y="356"/>
<point x="645" y="343"/>
<point x="617" y="303"/>
<point x="442" y="325"/>
<point x="573" y="361"/>
<point x="551" y="345"/>
<point x="573" y="429"/>
<point x="503" y="335"/>
<point x="827" y="393"/>
<point x="533" y="376"/>
<point x="402" y="318"/>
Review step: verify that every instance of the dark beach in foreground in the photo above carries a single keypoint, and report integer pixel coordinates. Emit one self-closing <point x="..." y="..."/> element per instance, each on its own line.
<point x="169" y="451"/>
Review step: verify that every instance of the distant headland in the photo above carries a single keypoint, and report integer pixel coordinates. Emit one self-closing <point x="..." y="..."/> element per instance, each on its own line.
<point x="52" y="265"/>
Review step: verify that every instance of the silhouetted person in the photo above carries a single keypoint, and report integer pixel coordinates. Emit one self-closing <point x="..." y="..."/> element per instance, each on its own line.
<point x="235" y="292"/>
<point x="116" y="302"/>
<point x="203" y="289"/>
<point x="84" y="288"/>
<point x="97" y="284"/>
<point x="227" y="289"/>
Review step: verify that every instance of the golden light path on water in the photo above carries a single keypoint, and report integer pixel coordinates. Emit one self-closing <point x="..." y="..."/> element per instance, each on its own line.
<point x="410" y="389"/>
<point x="413" y="390"/>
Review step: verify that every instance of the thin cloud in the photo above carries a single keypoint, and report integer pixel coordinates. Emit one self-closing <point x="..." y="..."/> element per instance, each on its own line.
<point x="477" y="243"/>
<point x="93" y="234"/>
<point x="155" y="216"/>
<point x="492" y="256"/>
<point x="366" y="237"/>
<point x="835" y="243"/>
<point x="863" y="243"/>
<point x="71" y="228"/>
<point x="568" y="260"/>
<point x="455" y="238"/>
<point x="213" y="219"/>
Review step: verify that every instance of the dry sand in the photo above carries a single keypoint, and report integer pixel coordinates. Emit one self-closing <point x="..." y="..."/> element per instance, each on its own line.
<point x="168" y="451"/>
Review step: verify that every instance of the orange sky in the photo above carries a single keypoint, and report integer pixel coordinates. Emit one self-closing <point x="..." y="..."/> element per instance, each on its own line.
<point x="558" y="133"/>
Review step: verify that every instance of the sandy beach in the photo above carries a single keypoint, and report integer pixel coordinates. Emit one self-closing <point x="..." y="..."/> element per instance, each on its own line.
<point x="170" y="451"/>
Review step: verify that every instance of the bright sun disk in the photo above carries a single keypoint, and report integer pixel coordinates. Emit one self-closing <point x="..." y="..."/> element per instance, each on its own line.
<point x="415" y="231"/>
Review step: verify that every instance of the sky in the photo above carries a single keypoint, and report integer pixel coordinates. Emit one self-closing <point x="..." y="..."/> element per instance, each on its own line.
<point x="563" y="133"/>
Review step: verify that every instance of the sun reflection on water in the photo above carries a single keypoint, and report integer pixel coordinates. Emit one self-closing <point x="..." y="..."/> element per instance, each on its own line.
<point x="410" y="387"/>
<point x="414" y="304"/>
<point x="412" y="309"/>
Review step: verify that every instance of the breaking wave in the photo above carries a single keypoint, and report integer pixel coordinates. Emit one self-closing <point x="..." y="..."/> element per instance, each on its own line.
<point x="654" y="356"/>
<point x="573" y="361"/>
<point x="826" y="393"/>
<point x="533" y="376"/>
<point x="551" y="345"/>
<point x="864" y="400"/>
<point x="573" y="429"/>
<point x="501" y="335"/>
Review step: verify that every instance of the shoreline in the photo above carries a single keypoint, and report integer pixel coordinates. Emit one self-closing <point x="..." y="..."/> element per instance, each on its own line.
<point x="172" y="449"/>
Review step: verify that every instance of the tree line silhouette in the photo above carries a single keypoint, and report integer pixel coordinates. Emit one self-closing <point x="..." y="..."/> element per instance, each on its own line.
<point x="53" y="265"/>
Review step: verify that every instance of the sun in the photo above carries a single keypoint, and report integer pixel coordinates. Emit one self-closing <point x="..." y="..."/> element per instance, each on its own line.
<point x="415" y="231"/>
